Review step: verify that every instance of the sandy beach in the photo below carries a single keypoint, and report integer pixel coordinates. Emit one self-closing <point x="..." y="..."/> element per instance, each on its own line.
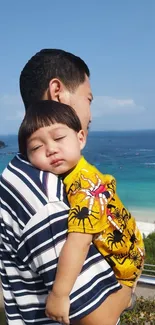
<point x="145" y="219"/>
<point x="143" y="214"/>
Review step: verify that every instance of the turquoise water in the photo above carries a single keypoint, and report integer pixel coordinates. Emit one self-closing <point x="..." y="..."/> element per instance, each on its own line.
<point x="129" y="156"/>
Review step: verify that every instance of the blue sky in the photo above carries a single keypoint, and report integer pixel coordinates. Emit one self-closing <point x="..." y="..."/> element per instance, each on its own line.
<point x="115" y="38"/>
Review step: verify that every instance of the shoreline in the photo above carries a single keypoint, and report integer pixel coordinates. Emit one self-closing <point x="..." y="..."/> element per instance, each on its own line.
<point x="146" y="228"/>
<point x="143" y="214"/>
<point x="145" y="218"/>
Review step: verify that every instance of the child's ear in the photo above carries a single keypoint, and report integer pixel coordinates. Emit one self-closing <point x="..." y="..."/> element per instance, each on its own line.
<point x="82" y="139"/>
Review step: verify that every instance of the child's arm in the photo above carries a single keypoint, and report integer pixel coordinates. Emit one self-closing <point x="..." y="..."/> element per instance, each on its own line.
<point x="70" y="263"/>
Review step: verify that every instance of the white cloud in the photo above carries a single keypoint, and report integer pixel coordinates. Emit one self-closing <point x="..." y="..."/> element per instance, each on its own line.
<point x="10" y="100"/>
<point x="109" y="113"/>
<point x="106" y="105"/>
<point x="16" y="116"/>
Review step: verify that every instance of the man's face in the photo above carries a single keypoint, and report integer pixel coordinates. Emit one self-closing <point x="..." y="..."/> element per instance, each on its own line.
<point x="80" y="99"/>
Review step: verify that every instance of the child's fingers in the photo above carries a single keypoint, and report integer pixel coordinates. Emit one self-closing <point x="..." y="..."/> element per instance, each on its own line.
<point x="65" y="320"/>
<point x="59" y="320"/>
<point x="62" y="320"/>
<point x="49" y="315"/>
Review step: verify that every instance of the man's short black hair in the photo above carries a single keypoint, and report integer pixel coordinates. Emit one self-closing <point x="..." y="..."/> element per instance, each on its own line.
<point x="46" y="65"/>
<point x="44" y="113"/>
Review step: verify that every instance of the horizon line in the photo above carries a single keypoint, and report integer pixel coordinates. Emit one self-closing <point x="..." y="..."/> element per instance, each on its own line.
<point x="90" y="131"/>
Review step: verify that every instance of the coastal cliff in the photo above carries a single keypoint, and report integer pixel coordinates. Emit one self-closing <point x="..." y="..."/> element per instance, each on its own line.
<point x="2" y="144"/>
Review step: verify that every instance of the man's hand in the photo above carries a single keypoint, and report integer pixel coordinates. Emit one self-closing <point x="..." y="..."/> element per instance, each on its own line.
<point x="57" y="308"/>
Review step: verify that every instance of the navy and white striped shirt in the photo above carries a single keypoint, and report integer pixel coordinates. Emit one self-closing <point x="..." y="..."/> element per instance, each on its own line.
<point x="33" y="228"/>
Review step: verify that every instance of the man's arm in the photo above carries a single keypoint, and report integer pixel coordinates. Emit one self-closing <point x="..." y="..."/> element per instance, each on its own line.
<point x="70" y="263"/>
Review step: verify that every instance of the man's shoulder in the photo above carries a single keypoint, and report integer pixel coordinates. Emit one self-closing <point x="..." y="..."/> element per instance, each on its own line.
<point x="17" y="161"/>
<point x="20" y="180"/>
<point x="20" y="167"/>
<point x="21" y="176"/>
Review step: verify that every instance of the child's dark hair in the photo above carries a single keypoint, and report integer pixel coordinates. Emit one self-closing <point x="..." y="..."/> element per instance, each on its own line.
<point x="46" y="65"/>
<point x="45" y="113"/>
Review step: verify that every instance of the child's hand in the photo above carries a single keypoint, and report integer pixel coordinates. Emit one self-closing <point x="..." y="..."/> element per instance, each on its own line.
<point x="57" y="308"/>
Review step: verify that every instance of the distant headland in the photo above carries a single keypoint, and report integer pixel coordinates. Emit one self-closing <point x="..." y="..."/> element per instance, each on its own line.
<point x="2" y="144"/>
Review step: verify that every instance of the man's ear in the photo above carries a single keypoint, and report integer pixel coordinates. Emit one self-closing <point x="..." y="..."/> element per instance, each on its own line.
<point x="54" y="89"/>
<point x="82" y="139"/>
<point x="57" y="91"/>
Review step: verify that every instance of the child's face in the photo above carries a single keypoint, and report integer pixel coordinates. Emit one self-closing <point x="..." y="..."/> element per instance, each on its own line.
<point x="55" y="148"/>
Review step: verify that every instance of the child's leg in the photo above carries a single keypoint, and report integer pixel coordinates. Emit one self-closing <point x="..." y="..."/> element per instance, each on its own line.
<point x="110" y="310"/>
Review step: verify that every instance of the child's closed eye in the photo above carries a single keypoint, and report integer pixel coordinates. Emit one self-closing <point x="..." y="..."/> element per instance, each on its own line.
<point x="59" y="138"/>
<point x="36" y="147"/>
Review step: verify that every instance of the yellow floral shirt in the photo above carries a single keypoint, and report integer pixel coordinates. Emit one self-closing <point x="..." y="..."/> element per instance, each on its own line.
<point x="96" y="209"/>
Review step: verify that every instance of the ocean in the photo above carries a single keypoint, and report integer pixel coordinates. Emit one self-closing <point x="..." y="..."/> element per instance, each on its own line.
<point x="128" y="156"/>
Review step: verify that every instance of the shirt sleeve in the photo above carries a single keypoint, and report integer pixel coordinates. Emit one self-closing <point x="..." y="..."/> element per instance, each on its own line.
<point x="42" y="240"/>
<point x="88" y="213"/>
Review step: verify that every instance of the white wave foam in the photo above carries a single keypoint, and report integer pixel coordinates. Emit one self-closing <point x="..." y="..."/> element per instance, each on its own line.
<point x="150" y="164"/>
<point x="146" y="150"/>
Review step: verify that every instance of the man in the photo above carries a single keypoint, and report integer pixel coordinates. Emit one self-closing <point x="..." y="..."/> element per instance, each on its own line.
<point x="34" y="213"/>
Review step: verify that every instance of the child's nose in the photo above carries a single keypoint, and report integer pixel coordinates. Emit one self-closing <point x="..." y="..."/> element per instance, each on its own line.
<point x="51" y="149"/>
